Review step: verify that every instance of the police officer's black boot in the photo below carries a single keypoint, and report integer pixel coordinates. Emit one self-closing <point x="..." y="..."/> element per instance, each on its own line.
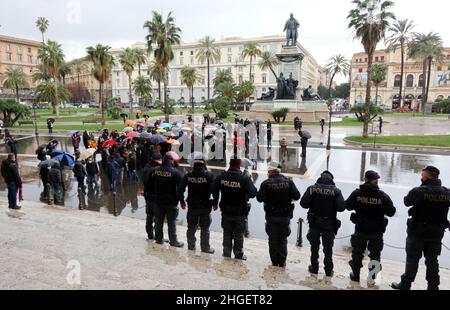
<point x="402" y="286"/>
<point x="313" y="269"/>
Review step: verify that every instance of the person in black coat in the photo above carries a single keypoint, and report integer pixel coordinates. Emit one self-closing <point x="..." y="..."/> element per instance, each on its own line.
<point x="323" y="201"/>
<point x="235" y="189"/>
<point x="428" y="222"/>
<point x="371" y="206"/>
<point x="10" y="173"/>
<point x="149" y="195"/>
<point x="56" y="184"/>
<point x="167" y="182"/>
<point x="277" y="193"/>
<point x="198" y="182"/>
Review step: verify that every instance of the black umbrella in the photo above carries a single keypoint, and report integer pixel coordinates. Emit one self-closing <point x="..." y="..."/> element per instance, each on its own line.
<point x="145" y="115"/>
<point x="51" y="120"/>
<point x="145" y="135"/>
<point x="306" y="134"/>
<point x="123" y="115"/>
<point x="157" y="139"/>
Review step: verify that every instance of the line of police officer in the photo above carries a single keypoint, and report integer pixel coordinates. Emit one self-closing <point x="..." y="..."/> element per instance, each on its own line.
<point x="231" y="190"/>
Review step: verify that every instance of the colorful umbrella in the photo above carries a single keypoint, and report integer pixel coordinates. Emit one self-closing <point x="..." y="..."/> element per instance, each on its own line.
<point x="186" y="129"/>
<point x="145" y="135"/>
<point x="173" y="142"/>
<point x="129" y="122"/>
<point x="166" y="126"/>
<point x="71" y="133"/>
<point x="109" y="143"/>
<point x="161" y="130"/>
<point x="128" y="129"/>
<point x="238" y="141"/>
<point x="157" y="139"/>
<point x="92" y="144"/>
<point x="174" y="156"/>
<point x="169" y="134"/>
<point x="63" y="157"/>
<point x="88" y="153"/>
<point x="133" y="134"/>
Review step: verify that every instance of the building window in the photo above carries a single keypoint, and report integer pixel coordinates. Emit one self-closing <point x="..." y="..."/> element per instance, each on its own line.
<point x="181" y="53"/>
<point x="439" y="68"/>
<point x="181" y="61"/>
<point x="192" y="53"/>
<point x="241" y="69"/>
<point x="241" y="79"/>
<point x="421" y="81"/>
<point x="19" y="57"/>
<point x="229" y="50"/>
<point x="29" y="50"/>
<point x="410" y="80"/>
<point x="377" y="59"/>
<point x="117" y="73"/>
<point x="397" y="80"/>
<point x="252" y="78"/>
<point x="264" y="78"/>
<point x="230" y="59"/>
<point x="264" y="90"/>
<point x="360" y="70"/>
<point x="365" y="59"/>
<point x="8" y="56"/>
<point x="192" y="60"/>
<point x="30" y="59"/>
<point x="382" y="58"/>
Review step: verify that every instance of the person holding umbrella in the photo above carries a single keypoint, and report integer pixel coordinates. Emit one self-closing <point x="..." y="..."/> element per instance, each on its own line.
<point x="92" y="172"/>
<point x="322" y="124"/>
<point x="56" y="184"/>
<point x="10" y="173"/>
<point x="304" y="138"/>
<point x="269" y="134"/>
<point x="79" y="171"/>
<point x="76" y="139"/>
<point x="50" y="124"/>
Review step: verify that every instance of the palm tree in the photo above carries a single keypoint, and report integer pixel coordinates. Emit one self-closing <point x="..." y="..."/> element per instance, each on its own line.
<point x="227" y="89"/>
<point x="162" y="36"/>
<point x="40" y="74"/>
<point x="427" y="48"/>
<point x="46" y="92"/>
<point x="64" y="71"/>
<point x="42" y="24"/>
<point x="378" y="76"/>
<point x="78" y="67"/>
<point x="251" y="49"/>
<point x="246" y="89"/>
<point x="128" y="60"/>
<point x="210" y="53"/>
<point x="52" y="58"/>
<point x="142" y="87"/>
<point x="268" y="61"/>
<point x="156" y="73"/>
<point x="103" y="62"/>
<point x="222" y="76"/>
<point x="370" y="20"/>
<point x="337" y="64"/>
<point x="400" y="36"/>
<point x="15" y="79"/>
<point x="189" y="77"/>
<point x="139" y="58"/>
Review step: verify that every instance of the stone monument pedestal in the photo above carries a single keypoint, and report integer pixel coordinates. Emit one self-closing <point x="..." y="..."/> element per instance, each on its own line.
<point x="291" y="58"/>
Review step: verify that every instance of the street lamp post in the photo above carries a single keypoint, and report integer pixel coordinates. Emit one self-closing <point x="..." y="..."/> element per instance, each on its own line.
<point x="330" y="109"/>
<point x="35" y="120"/>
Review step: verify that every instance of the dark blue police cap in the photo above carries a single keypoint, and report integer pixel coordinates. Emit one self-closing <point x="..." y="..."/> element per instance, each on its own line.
<point x="372" y="175"/>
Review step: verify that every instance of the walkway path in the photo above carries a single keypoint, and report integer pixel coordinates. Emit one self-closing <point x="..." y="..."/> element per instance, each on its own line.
<point x="38" y="243"/>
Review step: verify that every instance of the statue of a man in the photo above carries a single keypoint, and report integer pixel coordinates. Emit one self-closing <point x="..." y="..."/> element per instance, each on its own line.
<point x="281" y="87"/>
<point x="291" y="29"/>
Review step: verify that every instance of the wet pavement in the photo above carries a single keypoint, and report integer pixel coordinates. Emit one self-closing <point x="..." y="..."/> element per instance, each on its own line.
<point x="58" y="248"/>
<point x="400" y="172"/>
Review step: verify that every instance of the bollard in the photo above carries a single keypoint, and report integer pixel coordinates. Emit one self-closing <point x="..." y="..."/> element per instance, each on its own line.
<point x="114" y="203"/>
<point x="300" y="232"/>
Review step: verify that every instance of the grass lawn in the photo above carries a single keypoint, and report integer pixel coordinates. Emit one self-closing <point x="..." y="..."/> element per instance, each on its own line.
<point x="94" y="128"/>
<point x="438" y="141"/>
<point x="346" y="122"/>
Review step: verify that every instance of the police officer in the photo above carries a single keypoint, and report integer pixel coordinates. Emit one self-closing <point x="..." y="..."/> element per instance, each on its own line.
<point x="323" y="200"/>
<point x="277" y="194"/>
<point x="199" y="185"/>
<point x="428" y="221"/>
<point x="147" y="173"/>
<point x="167" y="182"/>
<point x="371" y="205"/>
<point x="235" y="189"/>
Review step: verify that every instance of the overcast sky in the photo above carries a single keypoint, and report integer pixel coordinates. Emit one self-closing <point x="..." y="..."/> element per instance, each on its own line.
<point x="118" y="23"/>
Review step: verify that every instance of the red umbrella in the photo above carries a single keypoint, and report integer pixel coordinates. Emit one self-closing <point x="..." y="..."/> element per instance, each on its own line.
<point x="133" y="134"/>
<point x="109" y="143"/>
<point x="238" y="141"/>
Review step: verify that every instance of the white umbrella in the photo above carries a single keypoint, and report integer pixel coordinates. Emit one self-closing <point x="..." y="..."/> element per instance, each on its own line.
<point x="88" y="153"/>
<point x="128" y="129"/>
